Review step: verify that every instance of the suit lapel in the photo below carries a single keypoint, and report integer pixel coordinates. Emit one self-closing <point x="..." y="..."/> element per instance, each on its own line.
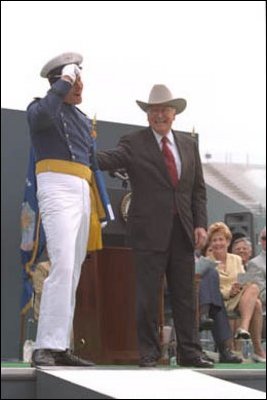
<point x="183" y="153"/>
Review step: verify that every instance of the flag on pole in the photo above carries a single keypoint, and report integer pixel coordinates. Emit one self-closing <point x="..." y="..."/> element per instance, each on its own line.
<point x="99" y="179"/>
<point x="32" y="234"/>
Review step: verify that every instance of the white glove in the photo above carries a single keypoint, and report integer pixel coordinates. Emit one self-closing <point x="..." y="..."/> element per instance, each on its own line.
<point x="71" y="71"/>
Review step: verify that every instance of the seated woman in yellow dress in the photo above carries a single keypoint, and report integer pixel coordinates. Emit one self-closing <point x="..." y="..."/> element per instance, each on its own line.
<point x="243" y="298"/>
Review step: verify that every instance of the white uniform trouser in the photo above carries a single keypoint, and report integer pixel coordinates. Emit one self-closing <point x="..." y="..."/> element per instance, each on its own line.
<point x="64" y="202"/>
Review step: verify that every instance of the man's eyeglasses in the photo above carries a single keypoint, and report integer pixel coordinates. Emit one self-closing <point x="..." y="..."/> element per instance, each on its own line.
<point x="263" y="237"/>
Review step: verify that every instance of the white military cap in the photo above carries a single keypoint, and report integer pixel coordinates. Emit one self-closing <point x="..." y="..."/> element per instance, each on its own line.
<point x="60" y="61"/>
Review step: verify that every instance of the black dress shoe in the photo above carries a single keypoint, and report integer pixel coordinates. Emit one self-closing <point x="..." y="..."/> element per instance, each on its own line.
<point x="50" y="358"/>
<point x="205" y="323"/>
<point x="147" y="362"/>
<point x="43" y="357"/>
<point x="198" y="362"/>
<point x="227" y="356"/>
<point x="67" y="358"/>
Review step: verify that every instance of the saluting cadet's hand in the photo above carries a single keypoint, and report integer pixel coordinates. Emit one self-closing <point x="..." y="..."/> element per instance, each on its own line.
<point x="71" y="71"/>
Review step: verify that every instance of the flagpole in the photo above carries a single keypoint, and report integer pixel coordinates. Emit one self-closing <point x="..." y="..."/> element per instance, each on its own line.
<point x="100" y="182"/>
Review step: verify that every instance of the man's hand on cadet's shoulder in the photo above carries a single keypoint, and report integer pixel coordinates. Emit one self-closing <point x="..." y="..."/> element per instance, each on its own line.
<point x="200" y="237"/>
<point x="70" y="73"/>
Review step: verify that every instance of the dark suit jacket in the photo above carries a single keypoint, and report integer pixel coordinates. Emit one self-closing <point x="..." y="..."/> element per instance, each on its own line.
<point x="150" y="216"/>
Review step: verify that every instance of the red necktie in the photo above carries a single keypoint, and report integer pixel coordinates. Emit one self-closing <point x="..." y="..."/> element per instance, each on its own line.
<point x="170" y="161"/>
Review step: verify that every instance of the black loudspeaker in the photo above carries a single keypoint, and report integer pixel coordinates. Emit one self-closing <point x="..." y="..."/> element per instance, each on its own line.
<point x="241" y="224"/>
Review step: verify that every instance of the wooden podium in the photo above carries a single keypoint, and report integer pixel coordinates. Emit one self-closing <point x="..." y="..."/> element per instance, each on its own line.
<point x="104" y="323"/>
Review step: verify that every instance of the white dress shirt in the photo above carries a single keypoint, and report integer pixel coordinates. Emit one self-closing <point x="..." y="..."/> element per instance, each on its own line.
<point x="172" y="146"/>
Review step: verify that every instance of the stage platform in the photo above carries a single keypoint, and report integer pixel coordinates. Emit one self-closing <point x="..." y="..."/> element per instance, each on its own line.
<point x="19" y="381"/>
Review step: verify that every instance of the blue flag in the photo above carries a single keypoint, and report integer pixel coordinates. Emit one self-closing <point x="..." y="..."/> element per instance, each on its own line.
<point x="32" y="234"/>
<point x="99" y="179"/>
<point x="101" y="186"/>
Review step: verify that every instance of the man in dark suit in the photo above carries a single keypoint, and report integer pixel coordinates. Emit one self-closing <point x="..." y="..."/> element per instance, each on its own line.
<point x="166" y="222"/>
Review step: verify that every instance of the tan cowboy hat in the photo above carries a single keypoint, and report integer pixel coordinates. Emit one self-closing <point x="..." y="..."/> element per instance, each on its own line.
<point x="59" y="62"/>
<point x="161" y="95"/>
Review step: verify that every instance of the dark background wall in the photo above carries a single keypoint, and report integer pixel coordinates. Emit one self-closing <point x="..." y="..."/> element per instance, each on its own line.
<point x="15" y="145"/>
<point x="14" y="155"/>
